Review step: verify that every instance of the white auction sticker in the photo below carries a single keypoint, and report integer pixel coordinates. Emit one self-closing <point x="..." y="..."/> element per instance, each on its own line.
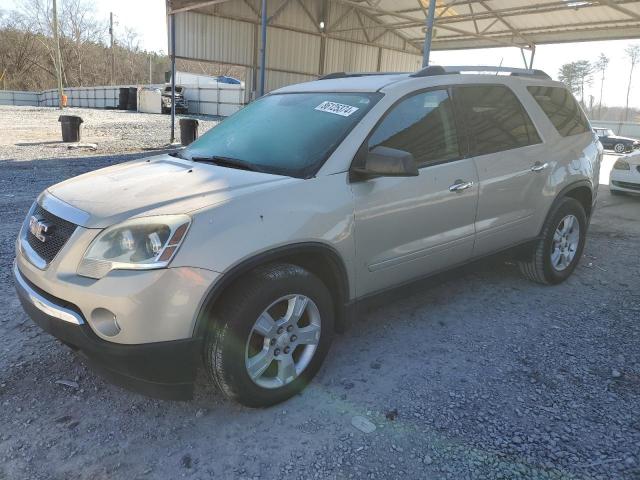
<point x="336" y="108"/>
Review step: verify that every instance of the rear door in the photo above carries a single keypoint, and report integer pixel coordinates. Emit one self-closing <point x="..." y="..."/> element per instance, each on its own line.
<point x="408" y="227"/>
<point x="512" y="164"/>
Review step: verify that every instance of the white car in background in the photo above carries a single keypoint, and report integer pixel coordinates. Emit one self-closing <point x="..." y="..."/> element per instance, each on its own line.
<point x="625" y="175"/>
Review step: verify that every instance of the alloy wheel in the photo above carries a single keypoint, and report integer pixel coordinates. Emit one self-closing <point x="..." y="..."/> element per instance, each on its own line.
<point x="566" y="240"/>
<point x="283" y="341"/>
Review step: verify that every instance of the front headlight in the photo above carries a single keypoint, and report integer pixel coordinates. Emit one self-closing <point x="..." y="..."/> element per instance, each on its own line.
<point x="621" y="165"/>
<point x="139" y="244"/>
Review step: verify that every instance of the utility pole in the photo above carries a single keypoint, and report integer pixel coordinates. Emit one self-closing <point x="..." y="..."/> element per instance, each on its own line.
<point x="56" y="39"/>
<point x="113" y="63"/>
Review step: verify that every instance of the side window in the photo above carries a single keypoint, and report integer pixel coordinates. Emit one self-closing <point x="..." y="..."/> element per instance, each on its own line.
<point x="562" y="109"/>
<point x="496" y="118"/>
<point x="423" y="125"/>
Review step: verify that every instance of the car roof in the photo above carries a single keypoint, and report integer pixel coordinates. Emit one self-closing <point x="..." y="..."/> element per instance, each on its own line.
<point x="364" y="83"/>
<point x="373" y="82"/>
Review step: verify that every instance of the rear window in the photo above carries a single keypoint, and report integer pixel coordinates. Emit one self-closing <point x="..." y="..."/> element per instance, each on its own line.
<point x="562" y="109"/>
<point x="496" y="118"/>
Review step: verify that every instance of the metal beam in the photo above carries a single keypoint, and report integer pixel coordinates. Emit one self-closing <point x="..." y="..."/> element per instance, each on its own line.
<point x="626" y="11"/>
<point x="193" y="6"/>
<point x="533" y="54"/>
<point x="263" y="46"/>
<point x="173" y="77"/>
<point x="539" y="8"/>
<point x="504" y="35"/>
<point x="278" y="10"/>
<point x="426" y="49"/>
<point x="414" y="51"/>
<point x="513" y="30"/>
<point x="314" y="21"/>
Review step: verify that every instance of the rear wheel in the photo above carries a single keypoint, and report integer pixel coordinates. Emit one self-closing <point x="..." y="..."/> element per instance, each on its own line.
<point x="619" y="148"/>
<point x="269" y="337"/>
<point x="556" y="254"/>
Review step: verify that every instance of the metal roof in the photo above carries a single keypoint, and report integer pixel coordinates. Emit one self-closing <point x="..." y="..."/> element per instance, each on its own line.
<point x="460" y="24"/>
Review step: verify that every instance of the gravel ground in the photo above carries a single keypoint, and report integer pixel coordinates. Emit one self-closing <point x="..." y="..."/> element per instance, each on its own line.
<point x="28" y="133"/>
<point x="473" y="374"/>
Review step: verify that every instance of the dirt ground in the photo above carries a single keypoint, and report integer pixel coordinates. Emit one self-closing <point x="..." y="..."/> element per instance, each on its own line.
<point x="28" y="133"/>
<point x="473" y="374"/>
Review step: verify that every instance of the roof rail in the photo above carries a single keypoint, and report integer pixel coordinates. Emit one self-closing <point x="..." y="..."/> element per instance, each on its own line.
<point x="329" y="76"/>
<point x="448" y="70"/>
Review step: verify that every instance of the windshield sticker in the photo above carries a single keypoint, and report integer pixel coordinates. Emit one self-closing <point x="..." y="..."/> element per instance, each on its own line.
<point x="336" y="108"/>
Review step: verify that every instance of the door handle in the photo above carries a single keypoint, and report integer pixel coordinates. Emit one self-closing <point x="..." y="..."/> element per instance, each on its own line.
<point x="538" y="167"/>
<point x="460" y="185"/>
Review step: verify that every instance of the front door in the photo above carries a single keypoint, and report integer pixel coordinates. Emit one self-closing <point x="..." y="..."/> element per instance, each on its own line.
<point x="408" y="227"/>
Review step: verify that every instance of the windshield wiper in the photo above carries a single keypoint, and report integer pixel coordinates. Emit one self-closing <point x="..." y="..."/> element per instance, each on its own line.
<point x="178" y="154"/>
<point x="228" y="162"/>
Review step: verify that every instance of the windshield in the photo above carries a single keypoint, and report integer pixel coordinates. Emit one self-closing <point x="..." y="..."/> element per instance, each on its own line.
<point x="287" y="134"/>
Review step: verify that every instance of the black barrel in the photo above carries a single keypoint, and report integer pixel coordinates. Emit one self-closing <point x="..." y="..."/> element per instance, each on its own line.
<point x="133" y="99"/>
<point x="188" y="130"/>
<point x="123" y="98"/>
<point x="70" y="127"/>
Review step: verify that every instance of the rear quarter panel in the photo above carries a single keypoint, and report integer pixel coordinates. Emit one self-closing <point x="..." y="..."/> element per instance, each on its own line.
<point x="572" y="160"/>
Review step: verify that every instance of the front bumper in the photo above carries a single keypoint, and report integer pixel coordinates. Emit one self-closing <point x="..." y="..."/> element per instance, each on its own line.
<point x="626" y="180"/>
<point x="163" y="369"/>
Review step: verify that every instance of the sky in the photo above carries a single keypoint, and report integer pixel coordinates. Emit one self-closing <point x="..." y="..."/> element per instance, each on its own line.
<point x="147" y="17"/>
<point x="551" y="57"/>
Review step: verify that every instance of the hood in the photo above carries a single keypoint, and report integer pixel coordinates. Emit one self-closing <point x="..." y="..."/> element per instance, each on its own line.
<point x="156" y="186"/>
<point x="632" y="158"/>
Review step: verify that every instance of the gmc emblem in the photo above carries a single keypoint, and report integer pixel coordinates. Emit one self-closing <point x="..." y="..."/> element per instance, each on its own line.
<point x="39" y="228"/>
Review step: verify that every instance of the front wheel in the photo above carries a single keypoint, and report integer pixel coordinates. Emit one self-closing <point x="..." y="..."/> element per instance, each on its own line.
<point x="555" y="255"/>
<point x="619" y="148"/>
<point x="269" y="337"/>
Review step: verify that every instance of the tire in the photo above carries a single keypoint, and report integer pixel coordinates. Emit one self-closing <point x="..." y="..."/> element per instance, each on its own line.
<point x="539" y="266"/>
<point x="233" y="340"/>
<point x="619" y="148"/>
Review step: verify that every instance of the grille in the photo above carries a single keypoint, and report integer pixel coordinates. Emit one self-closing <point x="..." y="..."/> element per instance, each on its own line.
<point x="630" y="186"/>
<point x="59" y="235"/>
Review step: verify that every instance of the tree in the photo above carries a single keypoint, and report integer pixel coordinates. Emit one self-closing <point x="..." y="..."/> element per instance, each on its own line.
<point x="569" y="76"/>
<point x="584" y="72"/>
<point x="576" y="75"/>
<point x="601" y="66"/>
<point x="633" y="52"/>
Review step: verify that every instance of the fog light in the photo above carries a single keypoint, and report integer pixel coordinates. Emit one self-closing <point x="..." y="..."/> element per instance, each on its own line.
<point x="105" y="322"/>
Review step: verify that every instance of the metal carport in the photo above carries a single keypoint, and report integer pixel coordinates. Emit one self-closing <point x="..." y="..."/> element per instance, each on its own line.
<point x="309" y="38"/>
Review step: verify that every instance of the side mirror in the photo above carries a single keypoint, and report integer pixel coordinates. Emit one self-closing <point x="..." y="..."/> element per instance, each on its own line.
<point x="385" y="162"/>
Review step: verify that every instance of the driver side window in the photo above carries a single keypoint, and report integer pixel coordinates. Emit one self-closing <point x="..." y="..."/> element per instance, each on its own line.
<point x="423" y="125"/>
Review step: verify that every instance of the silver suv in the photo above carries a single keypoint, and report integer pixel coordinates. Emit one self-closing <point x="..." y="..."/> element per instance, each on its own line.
<point x="246" y="251"/>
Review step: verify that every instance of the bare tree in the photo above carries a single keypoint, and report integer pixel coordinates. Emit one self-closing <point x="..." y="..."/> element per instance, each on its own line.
<point x="80" y="28"/>
<point x="633" y="52"/>
<point x="568" y="75"/>
<point x="584" y="72"/>
<point x="601" y="66"/>
<point x="575" y="76"/>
